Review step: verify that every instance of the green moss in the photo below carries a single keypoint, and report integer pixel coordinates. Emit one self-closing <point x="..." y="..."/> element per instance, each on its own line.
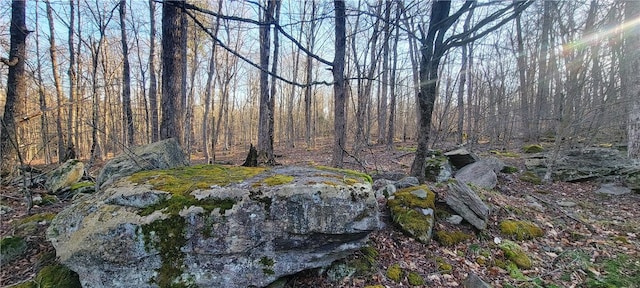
<point x="57" y="276"/>
<point x="80" y="185"/>
<point x="395" y="273"/>
<point x="509" y="170"/>
<point x="415" y="279"/>
<point x="167" y="237"/>
<point x="365" y="263"/>
<point x="175" y="203"/>
<point x="515" y="272"/>
<point x="621" y="239"/>
<point x="531" y="177"/>
<point x="11" y="248"/>
<point x="374" y="286"/>
<point x="532" y="148"/>
<point x="451" y="238"/>
<point x="26" y="284"/>
<point x="520" y="230"/>
<point x="267" y="264"/>
<point x="46" y="200"/>
<point x="443" y="266"/>
<point x="184" y="180"/>
<point x="36" y="218"/>
<point x="278" y="180"/>
<point x="515" y="254"/>
<point x="619" y="271"/>
<point x="406" y="212"/>
<point x="347" y="172"/>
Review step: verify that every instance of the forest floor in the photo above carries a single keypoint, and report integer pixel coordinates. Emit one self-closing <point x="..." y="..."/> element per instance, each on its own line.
<point x="590" y="240"/>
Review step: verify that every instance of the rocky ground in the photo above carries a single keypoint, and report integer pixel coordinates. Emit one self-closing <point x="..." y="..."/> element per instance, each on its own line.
<point x="590" y="239"/>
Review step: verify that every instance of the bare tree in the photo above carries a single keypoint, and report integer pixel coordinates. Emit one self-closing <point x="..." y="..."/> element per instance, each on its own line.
<point x="153" y="92"/>
<point x="632" y="83"/>
<point x="265" y="138"/>
<point x="434" y="46"/>
<point x="173" y="63"/>
<point x="57" y="83"/>
<point x="126" y="78"/>
<point x="16" y="85"/>
<point x="72" y="74"/>
<point x="339" y="89"/>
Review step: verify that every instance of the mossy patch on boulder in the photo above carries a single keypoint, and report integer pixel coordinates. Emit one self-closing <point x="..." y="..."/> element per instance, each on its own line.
<point x="412" y="210"/>
<point x="532" y="148"/>
<point x="83" y="187"/>
<point x="447" y="238"/>
<point x="395" y="273"/>
<point x="167" y="237"/>
<point x="509" y="170"/>
<point x="515" y="254"/>
<point x="531" y="177"/>
<point x="278" y="180"/>
<point x="11" y="247"/>
<point x="57" y="276"/>
<point x="350" y="175"/>
<point x="46" y="200"/>
<point x="520" y="230"/>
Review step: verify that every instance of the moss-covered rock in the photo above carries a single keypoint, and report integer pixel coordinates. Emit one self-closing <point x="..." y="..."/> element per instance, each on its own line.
<point x="532" y="148"/>
<point x="520" y="230"/>
<point x="412" y="210"/>
<point x="57" y="276"/>
<point x="12" y="247"/>
<point x="415" y="279"/>
<point x="83" y="187"/>
<point x="443" y="266"/>
<point x="45" y="200"/>
<point x="447" y="238"/>
<point x="531" y="177"/>
<point x="509" y="170"/>
<point x="64" y="176"/>
<point x="278" y="180"/>
<point x="515" y="254"/>
<point x="395" y="273"/>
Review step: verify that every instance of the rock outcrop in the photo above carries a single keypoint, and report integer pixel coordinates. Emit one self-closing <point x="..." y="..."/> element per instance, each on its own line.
<point x="461" y="157"/>
<point x="64" y="176"/>
<point x="214" y="226"/>
<point x="466" y="202"/>
<point x="163" y="154"/>
<point x="479" y="174"/>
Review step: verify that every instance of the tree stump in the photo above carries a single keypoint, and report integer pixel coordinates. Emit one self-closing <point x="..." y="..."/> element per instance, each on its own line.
<point x="252" y="157"/>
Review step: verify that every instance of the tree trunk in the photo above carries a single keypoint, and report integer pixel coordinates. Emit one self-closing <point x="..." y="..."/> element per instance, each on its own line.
<point x="72" y="74"/>
<point x="126" y="78"/>
<point x="382" y="103"/>
<point x="173" y="63"/>
<point x="153" y="93"/>
<point x="44" y="124"/>
<point x="339" y="93"/>
<point x="16" y="85"/>
<point x="57" y="83"/>
<point x="208" y="105"/>
<point x="265" y="135"/>
<point x="392" y="104"/>
<point x="524" y="86"/>
<point x="307" y="91"/>
<point x="632" y="89"/>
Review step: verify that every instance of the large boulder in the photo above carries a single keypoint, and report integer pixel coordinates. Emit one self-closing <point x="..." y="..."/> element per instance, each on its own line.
<point x="479" y="174"/>
<point x="214" y="226"/>
<point x="412" y="210"/>
<point x="438" y="168"/>
<point x="466" y="202"/>
<point x="163" y="154"/>
<point x="591" y="163"/>
<point x="64" y="176"/>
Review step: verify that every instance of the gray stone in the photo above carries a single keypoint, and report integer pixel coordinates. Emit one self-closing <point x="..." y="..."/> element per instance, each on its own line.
<point x="613" y="189"/>
<point x="438" y="169"/>
<point x="339" y="271"/>
<point x="461" y="157"/>
<point x="496" y="164"/>
<point x="408" y="181"/>
<point x="380" y="183"/>
<point x="566" y="203"/>
<point x="455" y="219"/>
<point x="386" y="191"/>
<point x="163" y="154"/>
<point x="478" y="174"/>
<point x="64" y="176"/>
<point x="533" y="203"/>
<point x="122" y="237"/>
<point x="5" y="209"/>
<point x="419" y="193"/>
<point x="466" y="202"/>
<point x="473" y="281"/>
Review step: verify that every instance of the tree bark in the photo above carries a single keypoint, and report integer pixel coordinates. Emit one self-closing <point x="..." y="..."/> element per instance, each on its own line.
<point x="44" y="124"/>
<point x="632" y="89"/>
<point x="57" y="83"/>
<point x="126" y="78"/>
<point x="265" y="135"/>
<point x="16" y="85"/>
<point x="339" y="93"/>
<point x="208" y="106"/>
<point x="71" y="73"/>
<point x="153" y="93"/>
<point x="309" y="76"/>
<point x="173" y="75"/>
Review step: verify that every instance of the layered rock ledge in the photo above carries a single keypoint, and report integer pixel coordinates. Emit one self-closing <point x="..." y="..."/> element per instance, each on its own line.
<point x="214" y="226"/>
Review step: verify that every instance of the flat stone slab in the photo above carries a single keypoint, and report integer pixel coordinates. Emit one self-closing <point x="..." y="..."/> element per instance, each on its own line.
<point x="613" y="189"/>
